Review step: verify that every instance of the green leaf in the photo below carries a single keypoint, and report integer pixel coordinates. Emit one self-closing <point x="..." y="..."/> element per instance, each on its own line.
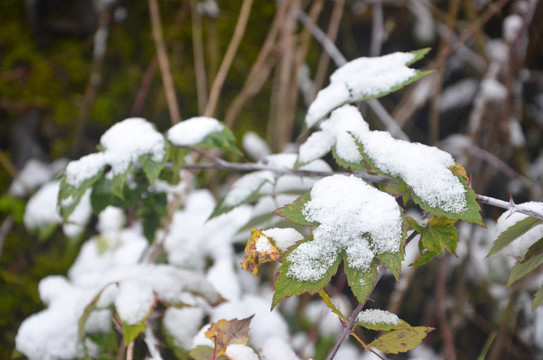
<point x="425" y="258"/>
<point x="361" y="282"/>
<point x="87" y="312"/>
<point x="223" y="140"/>
<point x="131" y="332"/>
<point x="439" y="233"/>
<point x="286" y="286"/>
<point x="201" y="352"/>
<point x="402" y="340"/>
<point x="394" y="260"/>
<point x="419" y="54"/>
<point x="151" y="168"/>
<point x="151" y="213"/>
<point x="69" y="196"/>
<point x="177" y="158"/>
<point x="294" y="212"/>
<point x="521" y="269"/>
<point x="538" y="298"/>
<point x="346" y="164"/>
<point x="101" y="195"/>
<point x="512" y="233"/>
<point x="118" y="181"/>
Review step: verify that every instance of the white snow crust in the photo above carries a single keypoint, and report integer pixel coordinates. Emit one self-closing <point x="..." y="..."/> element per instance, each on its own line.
<point x="277" y="349"/>
<point x="193" y="131"/>
<point x="520" y="246"/>
<point x="245" y="186"/>
<point x="34" y="174"/>
<point x="354" y="217"/>
<point x="361" y="78"/>
<point x="255" y="146"/>
<point x="134" y="301"/>
<point x="283" y="238"/>
<point x="123" y="144"/>
<point x="376" y="316"/>
<point x="240" y="352"/>
<point x="183" y="324"/>
<point x="424" y="168"/>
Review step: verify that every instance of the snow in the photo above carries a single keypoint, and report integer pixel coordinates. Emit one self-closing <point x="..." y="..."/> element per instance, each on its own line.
<point x="85" y="168"/>
<point x="240" y="352"/>
<point x="193" y="131"/>
<point x="192" y="238"/>
<point x="224" y="279"/>
<point x="354" y="217"/>
<point x="520" y="246"/>
<point x="424" y="168"/>
<point x="277" y="349"/>
<point x="492" y="89"/>
<point x="336" y="131"/>
<point x="283" y="238"/>
<point x="123" y="144"/>
<point x="41" y="211"/>
<point x="361" y="78"/>
<point x="41" y="207"/>
<point x="183" y="324"/>
<point x="458" y="95"/>
<point x="255" y="146"/>
<point x="134" y="301"/>
<point x="264" y="325"/>
<point x="511" y="27"/>
<point x="245" y="186"/>
<point x="111" y="220"/>
<point x="291" y="183"/>
<point x="34" y="174"/>
<point x="376" y="316"/>
<point x="327" y="323"/>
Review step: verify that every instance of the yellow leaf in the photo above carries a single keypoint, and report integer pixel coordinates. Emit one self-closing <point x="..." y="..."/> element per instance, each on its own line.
<point x="259" y="250"/>
<point x="402" y="340"/>
<point x="227" y="332"/>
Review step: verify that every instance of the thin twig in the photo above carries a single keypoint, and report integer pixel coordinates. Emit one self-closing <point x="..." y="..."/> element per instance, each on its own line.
<point x="4" y="231"/>
<point x="441" y="310"/>
<point x="352" y="319"/>
<point x="260" y="70"/>
<point x="511" y="206"/>
<point x="228" y="57"/>
<point x="331" y="34"/>
<point x="377" y="29"/>
<point x="164" y="63"/>
<point x="95" y="78"/>
<point x="199" y="63"/>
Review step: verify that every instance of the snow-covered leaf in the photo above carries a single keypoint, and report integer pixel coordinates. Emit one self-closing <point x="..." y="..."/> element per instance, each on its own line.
<point x="438" y="184"/>
<point x="381" y="320"/>
<point x="242" y="191"/>
<point x="69" y="196"/>
<point x="364" y="79"/>
<point x="204" y="132"/>
<point x="259" y="250"/>
<point x="286" y="285"/>
<point x="517" y="230"/>
<point x="401" y="340"/>
<point x="240" y="352"/>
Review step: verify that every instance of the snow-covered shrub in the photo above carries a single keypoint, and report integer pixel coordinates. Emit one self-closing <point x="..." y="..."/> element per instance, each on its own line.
<point x="163" y="268"/>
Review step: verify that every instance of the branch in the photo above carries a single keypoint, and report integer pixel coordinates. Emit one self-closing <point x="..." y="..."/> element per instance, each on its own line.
<point x="167" y="81"/>
<point x="511" y="206"/>
<point x="228" y="57"/>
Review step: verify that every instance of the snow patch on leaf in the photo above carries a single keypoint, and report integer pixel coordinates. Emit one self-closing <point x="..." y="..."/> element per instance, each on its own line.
<point x="519" y="247"/>
<point x="376" y="316"/>
<point x="134" y="301"/>
<point x="354" y="217"/>
<point x="359" y="79"/>
<point x="193" y="131"/>
<point x="283" y="238"/>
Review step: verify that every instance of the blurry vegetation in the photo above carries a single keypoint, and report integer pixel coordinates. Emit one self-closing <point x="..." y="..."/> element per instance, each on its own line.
<point x="47" y="65"/>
